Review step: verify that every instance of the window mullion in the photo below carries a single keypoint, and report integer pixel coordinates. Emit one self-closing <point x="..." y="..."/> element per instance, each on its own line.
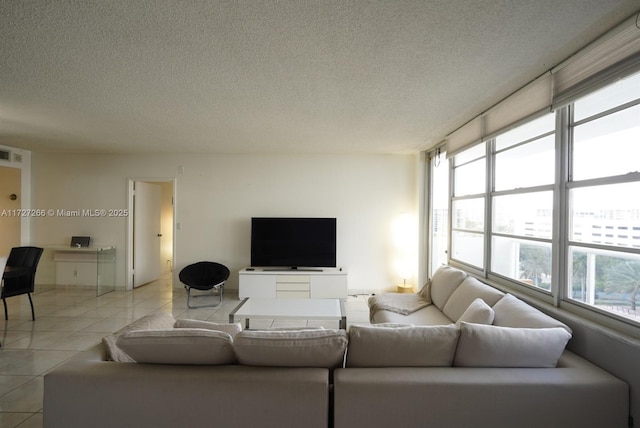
<point x="560" y="263"/>
<point x="450" y="209"/>
<point x="488" y="205"/>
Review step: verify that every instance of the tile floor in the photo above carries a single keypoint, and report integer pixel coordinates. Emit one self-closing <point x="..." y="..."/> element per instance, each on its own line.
<point x="70" y="320"/>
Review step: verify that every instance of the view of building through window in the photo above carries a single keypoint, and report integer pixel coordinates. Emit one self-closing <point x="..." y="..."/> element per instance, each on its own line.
<point x="522" y="202"/>
<point x="604" y="219"/>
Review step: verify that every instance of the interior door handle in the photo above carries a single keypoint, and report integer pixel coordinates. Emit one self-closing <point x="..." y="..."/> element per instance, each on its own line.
<point x="159" y="234"/>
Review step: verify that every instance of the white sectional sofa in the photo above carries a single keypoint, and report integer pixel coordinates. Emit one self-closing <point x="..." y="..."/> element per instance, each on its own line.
<point x="164" y="373"/>
<point x="509" y="367"/>
<point x="458" y="354"/>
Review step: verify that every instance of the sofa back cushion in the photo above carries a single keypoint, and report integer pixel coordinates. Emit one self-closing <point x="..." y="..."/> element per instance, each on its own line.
<point x="402" y="346"/>
<point x="154" y="321"/>
<point x="178" y="346"/>
<point x="296" y="348"/>
<point x="444" y="282"/>
<point x="469" y="290"/>
<point x="492" y="346"/>
<point x="513" y="312"/>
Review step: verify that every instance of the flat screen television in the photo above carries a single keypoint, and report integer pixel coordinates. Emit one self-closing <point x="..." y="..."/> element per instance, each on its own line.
<point x="286" y="242"/>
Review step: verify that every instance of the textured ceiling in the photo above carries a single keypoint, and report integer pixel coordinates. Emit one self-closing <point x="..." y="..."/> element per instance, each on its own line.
<point x="166" y="76"/>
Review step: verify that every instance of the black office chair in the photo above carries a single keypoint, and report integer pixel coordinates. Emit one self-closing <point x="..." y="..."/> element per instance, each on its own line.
<point x="25" y="262"/>
<point x="204" y="276"/>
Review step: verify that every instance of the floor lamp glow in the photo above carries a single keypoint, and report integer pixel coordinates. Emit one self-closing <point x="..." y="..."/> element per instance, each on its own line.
<point x="405" y="240"/>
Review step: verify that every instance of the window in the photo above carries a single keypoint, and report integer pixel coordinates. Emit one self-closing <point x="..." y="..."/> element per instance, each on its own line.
<point x="543" y="198"/>
<point x="522" y="203"/>
<point x="604" y="208"/>
<point x="557" y="214"/>
<point x="439" y="204"/>
<point x="468" y="206"/>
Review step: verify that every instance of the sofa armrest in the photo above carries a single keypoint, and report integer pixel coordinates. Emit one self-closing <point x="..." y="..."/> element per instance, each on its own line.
<point x="575" y="394"/>
<point x="86" y="392"/>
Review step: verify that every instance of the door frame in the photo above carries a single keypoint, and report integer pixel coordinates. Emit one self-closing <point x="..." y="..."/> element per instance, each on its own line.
<point x="131" y="207"/>
<point x="21" y="159"/>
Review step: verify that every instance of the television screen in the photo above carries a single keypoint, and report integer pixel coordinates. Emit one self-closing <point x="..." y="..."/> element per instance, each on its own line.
<point x="293" y="242"/>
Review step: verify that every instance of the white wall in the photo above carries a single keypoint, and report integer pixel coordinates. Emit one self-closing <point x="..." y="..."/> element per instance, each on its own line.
<point x="216" y="195"/>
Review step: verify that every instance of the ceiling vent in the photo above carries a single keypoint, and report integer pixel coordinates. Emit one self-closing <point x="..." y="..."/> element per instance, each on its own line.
<point x="5" y="155"/>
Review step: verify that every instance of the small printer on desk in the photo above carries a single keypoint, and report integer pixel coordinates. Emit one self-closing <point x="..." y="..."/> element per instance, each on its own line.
<point x="80" y="241"/>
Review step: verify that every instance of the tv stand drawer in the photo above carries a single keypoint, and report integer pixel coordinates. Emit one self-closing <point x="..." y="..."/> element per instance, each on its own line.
<point x="280" y="279"/>
<point x="318" y="284"/>
<point x="293" y="286"/>
<point x="292" y="294"/>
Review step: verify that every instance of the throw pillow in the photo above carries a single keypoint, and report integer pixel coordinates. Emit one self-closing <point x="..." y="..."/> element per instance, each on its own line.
<point x="492" y="346"/>
<point x="232" y="329"/>
<point x="470" y="289"/>
<point x="156" y="320"/>
<point x="478" y="312"/>
<point x="178" y="346"/>
<point x="398" y="346"/>
<point x="301" y="348"/>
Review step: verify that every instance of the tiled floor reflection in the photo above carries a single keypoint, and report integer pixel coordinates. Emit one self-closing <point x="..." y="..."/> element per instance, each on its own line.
<point x="72" y="320"/>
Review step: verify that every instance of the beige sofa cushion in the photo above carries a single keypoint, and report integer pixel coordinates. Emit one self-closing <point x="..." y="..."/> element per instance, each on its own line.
<point x="492" y="346"/>
<point x="156" y="320"/>
<point x="444" y="282"/>
<point x="467" y="292"/>
<point x="430" y="315"/>
<point x="302" y="348"/>
<point x="513" y="312"/>
<point x="478" y="312"/>
<point x="178" y="346"/>
<point x="231" y="328"/>
<point x="414" y="346"/>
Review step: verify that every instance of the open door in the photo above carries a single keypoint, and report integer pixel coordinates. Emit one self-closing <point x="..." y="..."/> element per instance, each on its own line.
<point x="10" y="203"/>
<point x="146" y="232"/>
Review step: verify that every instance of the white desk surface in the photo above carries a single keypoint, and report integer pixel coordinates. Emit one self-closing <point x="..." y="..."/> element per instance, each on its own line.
<point x="91" y="248"/>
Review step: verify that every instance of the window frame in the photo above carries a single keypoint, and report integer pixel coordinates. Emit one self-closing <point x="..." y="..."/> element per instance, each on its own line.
<point x="453" y="198"/>
<point x="589" y="311"/>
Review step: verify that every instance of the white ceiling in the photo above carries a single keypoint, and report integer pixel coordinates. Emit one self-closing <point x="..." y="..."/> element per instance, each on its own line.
<point x="338" y="76"/>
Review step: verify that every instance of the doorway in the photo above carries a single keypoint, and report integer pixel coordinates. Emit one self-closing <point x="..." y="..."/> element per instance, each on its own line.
<point x="150" y="243"/>
<point x="10" y="205"/>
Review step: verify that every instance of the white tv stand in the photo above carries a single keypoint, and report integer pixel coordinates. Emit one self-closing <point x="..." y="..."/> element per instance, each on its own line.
<point x="303" y="283"/>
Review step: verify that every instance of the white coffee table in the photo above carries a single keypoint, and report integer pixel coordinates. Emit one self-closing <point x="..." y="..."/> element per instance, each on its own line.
<point x="282" y="309"/>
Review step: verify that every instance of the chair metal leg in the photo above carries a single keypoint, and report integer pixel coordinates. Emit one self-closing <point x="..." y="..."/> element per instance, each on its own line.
<point x="189" y="297"/>
<point x="33" y="314"/>
<point x="220" y="292"/>
<point x="6" y="315"/>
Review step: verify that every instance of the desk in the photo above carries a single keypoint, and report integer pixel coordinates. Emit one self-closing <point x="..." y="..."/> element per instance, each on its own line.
<point x="85" y="266"/>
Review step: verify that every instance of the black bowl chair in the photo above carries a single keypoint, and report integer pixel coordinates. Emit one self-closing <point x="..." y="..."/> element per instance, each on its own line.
<point x="204" y="276"/>
<point x="24" y="261"/>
